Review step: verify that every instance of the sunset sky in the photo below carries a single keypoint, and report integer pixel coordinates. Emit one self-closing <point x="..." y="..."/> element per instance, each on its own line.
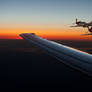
<point x="46" y="18"/>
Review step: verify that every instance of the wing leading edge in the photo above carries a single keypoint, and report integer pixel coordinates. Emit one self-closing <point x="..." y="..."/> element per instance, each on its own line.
<point x="76" y="59"/>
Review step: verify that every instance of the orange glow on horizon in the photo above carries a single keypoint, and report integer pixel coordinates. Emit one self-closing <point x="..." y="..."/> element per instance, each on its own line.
<point x="11" y="36"/>
<point x="47" y="36"/>
<point x="49" y="33"/>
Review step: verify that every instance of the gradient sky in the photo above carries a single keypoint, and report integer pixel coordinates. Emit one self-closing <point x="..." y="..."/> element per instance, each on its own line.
<point x="47" y="18"/>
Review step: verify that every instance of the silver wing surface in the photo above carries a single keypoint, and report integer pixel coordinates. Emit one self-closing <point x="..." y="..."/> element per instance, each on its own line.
<point x="77" y="59"/>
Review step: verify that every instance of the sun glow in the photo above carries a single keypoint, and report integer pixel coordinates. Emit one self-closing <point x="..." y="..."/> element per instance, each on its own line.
<point x="46" y="31"/>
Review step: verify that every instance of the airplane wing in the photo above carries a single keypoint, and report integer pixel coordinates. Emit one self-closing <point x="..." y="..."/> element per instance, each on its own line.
<point x="75" y="26"/>
<point x="77" y="59"/>
<point x="86" y="34"/>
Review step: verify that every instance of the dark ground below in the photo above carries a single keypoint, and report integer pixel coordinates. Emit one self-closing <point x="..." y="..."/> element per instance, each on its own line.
<point x="23" y="66"/>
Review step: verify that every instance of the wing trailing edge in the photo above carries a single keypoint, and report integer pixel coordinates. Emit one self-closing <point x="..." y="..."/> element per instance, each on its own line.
<point x="74" y="58"/>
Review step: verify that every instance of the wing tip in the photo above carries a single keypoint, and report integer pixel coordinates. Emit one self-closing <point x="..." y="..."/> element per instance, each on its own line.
<point x="27" y="34"/>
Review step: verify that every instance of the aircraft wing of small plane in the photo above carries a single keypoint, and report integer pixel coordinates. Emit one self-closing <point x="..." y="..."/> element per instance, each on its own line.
<point x="86" y="34"/>
<point x="77" y="59"/>
<point x="75" y="26"/>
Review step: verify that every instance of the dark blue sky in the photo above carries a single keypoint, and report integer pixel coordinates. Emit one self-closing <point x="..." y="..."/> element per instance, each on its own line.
<point x="45" y="11"/>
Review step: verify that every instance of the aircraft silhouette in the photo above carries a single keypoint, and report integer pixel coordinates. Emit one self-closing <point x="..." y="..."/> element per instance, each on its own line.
<point x="84" y="25"/>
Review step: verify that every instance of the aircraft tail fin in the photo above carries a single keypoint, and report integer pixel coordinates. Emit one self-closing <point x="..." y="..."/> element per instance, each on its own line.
<point x="76" y="20"/>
